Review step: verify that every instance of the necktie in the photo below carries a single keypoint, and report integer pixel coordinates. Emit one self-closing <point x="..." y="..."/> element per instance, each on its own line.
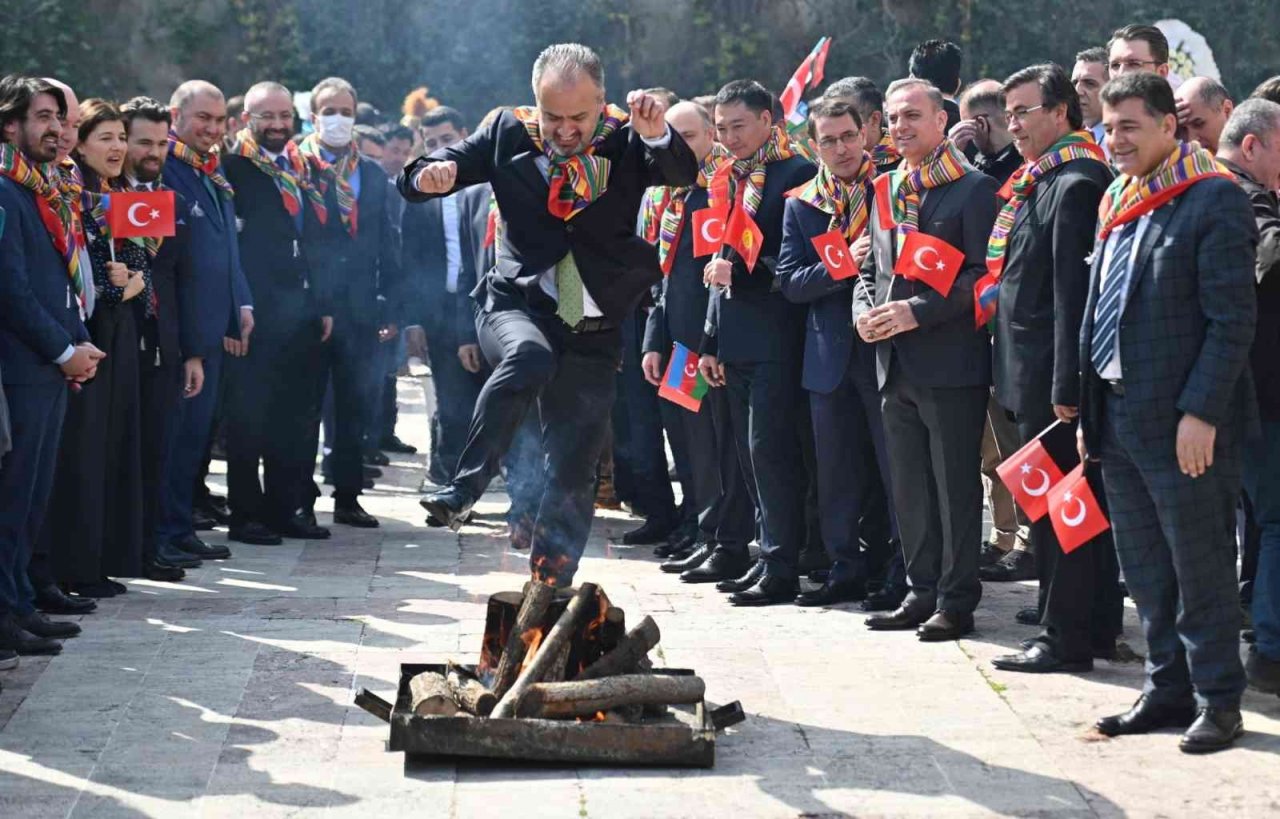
<point x="569" y="291"/>
<point x="283" y="163"/>
<point x="1106" y="323"/>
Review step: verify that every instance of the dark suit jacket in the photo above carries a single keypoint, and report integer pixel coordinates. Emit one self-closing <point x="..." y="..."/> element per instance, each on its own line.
<point x="172" y="273"/>
<point x="39" y="317"/>
<point x="1042" y="293"/>
<point x="616" y="265"/>
<point x="945" y="350"/>
<point x="757" y="323"/>
<point x="829" y="338"/>
<point x="680" y="309"/>
<point x="426" y="268"/>
<point x="477" y="258"/>
<point x="219" y="288"/>
<point x="1188" y="320"/>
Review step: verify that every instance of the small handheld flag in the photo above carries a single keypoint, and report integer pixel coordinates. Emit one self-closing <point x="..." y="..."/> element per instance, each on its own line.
<point x="683" y="384"/>
<point x="986" y="294"/>
<point x="884" y="209"/>
<point x="1074" y="512"/>
<point x="743" y="235"/>
<point x="141" y="214"/>
<point x="708" y="231"/>
<point x="930" y="260"/>
<point x="835" y="255"/>
<point x="1030" y="474"/>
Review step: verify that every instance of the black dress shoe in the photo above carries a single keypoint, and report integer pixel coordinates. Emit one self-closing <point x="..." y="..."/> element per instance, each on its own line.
<point x="653" y="530"/>
<point x="1018" y="564"/>
<point x="449" y="507"/>
<point x="829" y="593"/>
<point x="202" y="522"/>
<point x="302" y="527"/>
<point x="1263" y="672"/>
<point x="41" y="626"/>
<point x="1030" y="616"/>
<point x="692" y="561"/>
<point x="20" y="641"/>
<point x="821" y="576"/>
<point x="723" y="564"/>
<point x="745" y="582"/>
<point x="674" y="547"/>
<point x="392" y="443"/>
<point x="162" y="572"/>
<point x="373" y="457"/>
<point x="1146" y="716"/>
<point x="52" y="600"/>
<point x="1215" y="729"/>
<point x="900" y="619"/>
<point x="254" y="533"/>
<point x="945" y="625"/>
<point x="350" y="513"/>
<point x="194" y="546"/>
<point x="1040" y="659"/>
<point x="179" y="559"/>
<point x="97" y="591"/>
<point x="768" y="591"/>
<point x="213" y="511"/>
<point x="368" y="472"/>
<point x="887" y="598"/>
<point x="990" y="554"/>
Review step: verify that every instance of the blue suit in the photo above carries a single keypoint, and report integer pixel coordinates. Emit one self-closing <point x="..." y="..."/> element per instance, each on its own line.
<point x="210" y="308"/>
<point x="39" y="319"/>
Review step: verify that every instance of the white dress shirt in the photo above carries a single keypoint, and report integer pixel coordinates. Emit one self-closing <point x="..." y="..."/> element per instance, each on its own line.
<point x="1113" y="371"/>
<point x="452" y="244"/>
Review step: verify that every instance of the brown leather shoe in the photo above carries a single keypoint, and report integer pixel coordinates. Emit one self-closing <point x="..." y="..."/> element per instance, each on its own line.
<point x="901" y="619"/>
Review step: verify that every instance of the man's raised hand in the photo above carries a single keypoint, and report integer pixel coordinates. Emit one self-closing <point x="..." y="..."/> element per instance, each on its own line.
<point x="647" y="114"/>
<point x="437" y="177"/>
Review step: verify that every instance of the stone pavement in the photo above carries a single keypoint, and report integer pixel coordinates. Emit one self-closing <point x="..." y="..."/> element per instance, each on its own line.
<point x="230" y="695"/>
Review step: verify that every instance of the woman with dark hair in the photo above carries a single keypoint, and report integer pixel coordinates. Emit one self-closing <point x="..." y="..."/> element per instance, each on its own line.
<point x="94" y="529"/>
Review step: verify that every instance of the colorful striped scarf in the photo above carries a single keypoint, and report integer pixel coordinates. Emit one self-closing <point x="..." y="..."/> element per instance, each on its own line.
<point x="578" y="180"/>
<point x="847" y="203"/>
<point x="941" y="167"/>
<point x="1129" y="197"/>
<point x="340" y="174"/>
<point x="293" y="185"/>
<point x="885" y="153"/>
<point x="664" y="211"/>
<point x="57" y="213"/>
<point x="209" y="164"/>
<point x="750" y="172"/>
<point x="1075" y="145"/>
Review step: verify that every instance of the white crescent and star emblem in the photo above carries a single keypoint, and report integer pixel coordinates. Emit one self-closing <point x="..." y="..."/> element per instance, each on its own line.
<point x="706" y="229"/>
<point x="1044" y="481"/>
<point x="133" y="218"/>
<point x="839" y="257"/>
<point x="690" y="370"/>
<point x="1074" y="520"/>
<point x="918" y="258"/>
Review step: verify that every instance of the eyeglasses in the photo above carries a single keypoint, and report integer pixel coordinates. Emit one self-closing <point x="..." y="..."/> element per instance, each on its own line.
<point x="849" y="139"/>
<point x="1130" y="65"/>
<point x="1020" y="114"/>
<point x="270" y="118"/>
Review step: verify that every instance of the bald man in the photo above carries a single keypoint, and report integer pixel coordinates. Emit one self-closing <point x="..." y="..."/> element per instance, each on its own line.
<point x="1204" y="106"/>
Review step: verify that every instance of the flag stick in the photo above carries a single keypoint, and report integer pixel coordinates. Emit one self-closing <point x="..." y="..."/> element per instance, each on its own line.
<point x="1045" y="431"/>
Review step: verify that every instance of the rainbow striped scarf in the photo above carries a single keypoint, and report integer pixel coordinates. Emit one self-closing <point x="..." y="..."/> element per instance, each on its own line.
<point x="1075" y="145"/>
<point x="750" y="172"/>
<point x="664" y="208"/>
<point x="847" y="203"/>
<point x="1129" y="197"/>
<point x="945" y="165"/>
<point x="209" y="164"/>
<point x="578" y="180"/>
<point x="294" y="184"/>
<point x="885" y="153"/>
<point x="340" y="174"/>
<point x="57" y="212"/>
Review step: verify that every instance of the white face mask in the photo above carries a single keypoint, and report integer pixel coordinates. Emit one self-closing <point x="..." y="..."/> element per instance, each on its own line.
<point x="335" y="129"/>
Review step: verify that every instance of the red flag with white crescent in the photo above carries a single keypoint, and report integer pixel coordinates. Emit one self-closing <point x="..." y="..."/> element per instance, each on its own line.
<point x="833" y="250"/>
<point x="1030" y="474"/>
<point x="930" y="260"/>
<point x="1075" y="513"/>
<point x="141" y="214"/>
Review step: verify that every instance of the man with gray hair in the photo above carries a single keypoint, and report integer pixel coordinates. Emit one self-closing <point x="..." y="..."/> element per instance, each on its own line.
<point x="1250" y="148"/>
<point x="568" y="174"/>
<point x="1204" y="106"/>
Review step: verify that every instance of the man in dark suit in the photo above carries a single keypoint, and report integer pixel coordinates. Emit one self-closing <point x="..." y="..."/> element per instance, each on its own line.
<point x="933" y="368"/>
<point x="1166" y="402"/>
<point x="278" y="207"/>
<point x="938" y="62"/>
<point x="568" y="176"/>
<point x="354" y="257"/>
<point x="1046" y="231"/>
<point x="752" y="346"/>
<point x="218" y="300"/>
<point x="43" y="343"/>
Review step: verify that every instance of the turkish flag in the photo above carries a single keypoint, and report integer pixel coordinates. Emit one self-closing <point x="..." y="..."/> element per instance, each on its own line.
<point x="884" y="208"/>
<point x="930" y="260"/>
<point x="147" y="214"/>
<point x="708" y="230"/>
<point x="743" y="235"/>
<point x="1076" y="516"/>
<point x="1030" y="474"/>
<point x="834" y="252"/>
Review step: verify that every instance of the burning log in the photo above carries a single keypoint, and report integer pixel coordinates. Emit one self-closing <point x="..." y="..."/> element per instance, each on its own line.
<point x="431" y="696"/>
<point x="560" y="665"/>
<point x="627" y="655"/>
<point x="586" y="697"/>
<point x="564" y="630"/>
<point x="526" y="631"/>
<point x="469" y="692"/>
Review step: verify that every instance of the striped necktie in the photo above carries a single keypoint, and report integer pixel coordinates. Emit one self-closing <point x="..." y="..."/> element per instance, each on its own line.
<point x="1106" y="323"/>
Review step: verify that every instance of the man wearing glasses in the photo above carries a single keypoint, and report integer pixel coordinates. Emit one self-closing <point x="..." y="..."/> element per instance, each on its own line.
<point x="1138" y="49"/>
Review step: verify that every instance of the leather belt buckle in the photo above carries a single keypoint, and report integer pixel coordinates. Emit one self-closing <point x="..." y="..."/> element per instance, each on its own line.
<point x="1116" y="387"/>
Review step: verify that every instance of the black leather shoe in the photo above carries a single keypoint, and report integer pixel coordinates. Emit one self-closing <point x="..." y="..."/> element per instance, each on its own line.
<point x="212" y="510"/>
<point x="373" y="457"/>
<point x="1016" y="565"/>
<point x="653" y="530"/>
<point x="828" y="594"/>
<point x="900" y="619"/>
<point x="1146" y="716"/>
<point x="97" y="591"/>
<point x="745" y="582"/>
<point x="194" y="546"/>
<point x="350" y="513"/>
<point x="945" y="625"/>
<point x="201" y="522"/>
<point x="254" y="533"/>
<point x="1038" y="658"/>
<point x="181" y="560"/>
<point x="886" y="598"/>
<point x="41" y="626"/>
<point x="162" y="572"/>
<point x="52" y="600"/>
<point x="768" y="591"/>
<point x="723" y="564"/>
<point x="990" y="554"/>
<point x="449" y="507"/>
<point x="17" y="639"/>
<point x="1030" y="616"/>
<point x="692" y="561"/>
<point x="368" y="472"/>
<point x="677" y="546"/>
<point x="1215" y="729"/>
<point x="302" y="527"/>
<point x="1263" y="672"/>
<point x="392" y="443"/>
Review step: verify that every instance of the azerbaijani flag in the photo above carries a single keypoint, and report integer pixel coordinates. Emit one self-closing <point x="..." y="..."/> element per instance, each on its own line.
<point x="682" y="383"/>
<point x="807" y="76"/>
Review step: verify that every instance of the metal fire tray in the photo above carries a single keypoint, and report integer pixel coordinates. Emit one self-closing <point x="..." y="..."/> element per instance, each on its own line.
<point x="664" y="742"/>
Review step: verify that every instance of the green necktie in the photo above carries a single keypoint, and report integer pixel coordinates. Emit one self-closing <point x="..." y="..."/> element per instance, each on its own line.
<point x="569" y="291"/>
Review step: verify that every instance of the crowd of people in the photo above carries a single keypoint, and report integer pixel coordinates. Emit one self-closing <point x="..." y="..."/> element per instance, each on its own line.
<point x="860" y="318"/>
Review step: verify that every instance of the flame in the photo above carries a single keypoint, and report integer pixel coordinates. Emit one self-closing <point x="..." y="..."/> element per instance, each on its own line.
<point x="598" y="717"/>
<point x="531" y="639"/>
<point x="545" y="570"/>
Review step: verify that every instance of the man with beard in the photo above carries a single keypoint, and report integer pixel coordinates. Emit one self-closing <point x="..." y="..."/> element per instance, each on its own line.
<point x="279" y="208"/>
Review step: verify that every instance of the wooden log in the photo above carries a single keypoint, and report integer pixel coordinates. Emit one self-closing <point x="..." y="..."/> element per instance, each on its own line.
<point x="627" y="656"/>
<point x="613" y="630"/>
<point x="537" y="598"/>
<point x="470" y="694"/>
<point x="566" y="627"/>
<point x="584" y="698"/>
<point x="560" y="665"/>
<point x="430" y="696"/>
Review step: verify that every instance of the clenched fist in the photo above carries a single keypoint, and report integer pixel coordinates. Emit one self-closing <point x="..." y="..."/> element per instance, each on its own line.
<point x="437" y="177"/>
<point x="648" y="114"/>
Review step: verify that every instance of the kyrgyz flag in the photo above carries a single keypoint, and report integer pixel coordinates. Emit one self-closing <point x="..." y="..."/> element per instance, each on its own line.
<point x="1075" y="513"/>
<point x="835" y="255"/>
<point x="807" y="76"/>
<point x="144" y="214"/>
<point x="743" y="235"/>
<point x="930" y="260"/>
<point x="986" y="294"/>
<point x="708" y="230"/>
<point x="682" y="383"/>
<point x="1030" y="474"/>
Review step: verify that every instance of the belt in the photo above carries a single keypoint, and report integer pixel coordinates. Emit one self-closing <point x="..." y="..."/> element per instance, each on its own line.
<point x="1116" y="387"/>
<point x="590" y="325"/>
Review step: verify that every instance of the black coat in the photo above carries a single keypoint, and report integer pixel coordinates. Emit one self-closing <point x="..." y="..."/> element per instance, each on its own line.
<point x="616" y="265"/>
<point x="172" y="271"/>
<point x="680" y="309"/>
<point x="477" y="257"/>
